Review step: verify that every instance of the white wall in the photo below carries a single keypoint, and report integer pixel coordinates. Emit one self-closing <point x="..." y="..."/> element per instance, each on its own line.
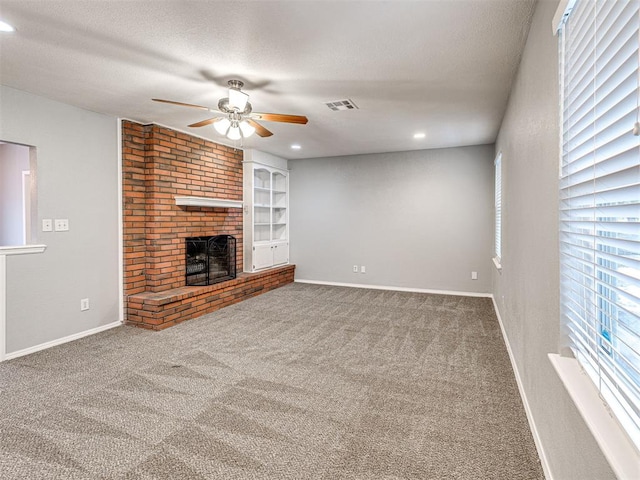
<point x="77" y="179"/>
<point x="527" y="290"/>
<point x="250" y="155"/>
<point x="420" y="219"/>
<point x="14" y="159"/>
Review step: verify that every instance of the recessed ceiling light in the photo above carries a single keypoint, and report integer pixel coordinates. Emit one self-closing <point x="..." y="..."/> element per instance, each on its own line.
<point x="419" y="135"/>
<point x="295" y="146"/>
<point x="5" y="27"/>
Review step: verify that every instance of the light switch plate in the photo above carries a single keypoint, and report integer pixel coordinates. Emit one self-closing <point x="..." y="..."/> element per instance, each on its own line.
<point x="84" y="304"/>
<point x="47" y="225"/>
<point x="61" y="224"/>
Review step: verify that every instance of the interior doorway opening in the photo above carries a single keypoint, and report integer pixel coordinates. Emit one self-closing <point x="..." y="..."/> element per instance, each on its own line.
<point x="17" y="194"/>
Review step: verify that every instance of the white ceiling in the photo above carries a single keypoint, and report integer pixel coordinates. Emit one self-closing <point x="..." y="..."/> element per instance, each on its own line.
<point x="442" y="67"/>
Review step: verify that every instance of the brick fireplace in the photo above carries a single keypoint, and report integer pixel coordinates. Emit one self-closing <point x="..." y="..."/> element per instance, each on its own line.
<point x="159" y="164"/>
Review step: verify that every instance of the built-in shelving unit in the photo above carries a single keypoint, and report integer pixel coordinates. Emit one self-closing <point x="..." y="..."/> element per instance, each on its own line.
<point x="266" y="232"/>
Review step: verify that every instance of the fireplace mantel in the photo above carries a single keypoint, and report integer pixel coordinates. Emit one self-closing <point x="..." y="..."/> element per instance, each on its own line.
<point x="207" y="202"/>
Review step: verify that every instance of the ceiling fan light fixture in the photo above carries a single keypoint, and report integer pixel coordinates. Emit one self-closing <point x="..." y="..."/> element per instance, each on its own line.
<point x="237" y="100"/>
<point x="234" y="118"/>
<point x="246" y="128"/>
<point x="234" y="133"/>
<point x="222" y="126"/>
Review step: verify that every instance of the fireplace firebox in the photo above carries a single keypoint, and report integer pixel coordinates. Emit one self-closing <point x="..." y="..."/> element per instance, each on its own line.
<point x="210" y="260"/>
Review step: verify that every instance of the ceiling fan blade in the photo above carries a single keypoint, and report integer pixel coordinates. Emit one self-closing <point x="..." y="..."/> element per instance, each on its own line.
<point x="181" y="104"/>
<point x="208" y="121"/>
<point x="280" y="117"/>
<point x="260" y="130"/>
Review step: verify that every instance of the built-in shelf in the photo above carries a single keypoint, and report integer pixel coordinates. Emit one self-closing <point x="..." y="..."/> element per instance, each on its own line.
<point x="207" y="202"/>
<point x="265" y="223"/>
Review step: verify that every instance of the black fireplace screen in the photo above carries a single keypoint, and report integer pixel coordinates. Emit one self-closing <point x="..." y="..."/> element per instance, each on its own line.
<point x="210" y="259"/>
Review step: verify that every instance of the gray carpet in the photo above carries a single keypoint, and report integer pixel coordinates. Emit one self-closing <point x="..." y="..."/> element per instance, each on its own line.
<point x="304" y="382"/>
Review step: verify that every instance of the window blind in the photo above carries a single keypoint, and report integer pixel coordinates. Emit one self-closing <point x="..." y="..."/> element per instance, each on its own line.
<point x="600" y="200"/>
<point x="498" y="207"/>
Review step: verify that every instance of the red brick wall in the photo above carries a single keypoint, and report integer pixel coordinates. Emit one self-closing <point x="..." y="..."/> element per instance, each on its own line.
<point x="158" y="164"/>
<point x="157" y="311"/>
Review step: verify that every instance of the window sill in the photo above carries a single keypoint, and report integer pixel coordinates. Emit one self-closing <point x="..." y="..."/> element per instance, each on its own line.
<point x="616" y="446"/>
<point x="22" y="249"/>
<point x="496" y="262"/>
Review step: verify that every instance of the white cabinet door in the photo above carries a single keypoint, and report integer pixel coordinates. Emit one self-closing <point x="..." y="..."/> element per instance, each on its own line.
<point x="262" y="256"/>
<point x="280" y="253"/>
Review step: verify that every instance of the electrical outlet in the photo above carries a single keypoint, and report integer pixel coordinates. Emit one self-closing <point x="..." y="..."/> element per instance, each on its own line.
<point x="84" y="304"/>
<point x="47" y="225"/>
<point x="363" y="269"/>
<point x="61" y="224"/>
<point x="355" y="269"/>
<point x="474" y="275"/>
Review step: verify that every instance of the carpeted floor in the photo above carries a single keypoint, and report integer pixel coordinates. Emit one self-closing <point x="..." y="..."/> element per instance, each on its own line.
<point x="304" y="382"/>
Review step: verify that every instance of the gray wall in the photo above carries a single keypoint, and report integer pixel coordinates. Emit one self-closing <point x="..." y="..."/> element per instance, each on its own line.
<point x="14" y="159"/>
<point x="527" y="290"/>
<point x="420" y="219"/>
<point x="77" y="179"/>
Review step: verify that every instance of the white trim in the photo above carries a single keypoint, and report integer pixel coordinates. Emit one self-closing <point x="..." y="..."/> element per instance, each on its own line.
<point x="496" y="262"/>
<point x="563" y="11"/>
<point x="532" y="424"/>
<point x="26" y="208"/>
<point x="251" y="155"/>
<point x="120" y="226"/>
<point x="60" y="341"/>
<point x="3" y="309"/>
<point x="615" y="444"/>
<point x="22" y="249"/>
<point x="498" y="210"/>
<point x="396" y="289"/>
<point x="207" y="202"/>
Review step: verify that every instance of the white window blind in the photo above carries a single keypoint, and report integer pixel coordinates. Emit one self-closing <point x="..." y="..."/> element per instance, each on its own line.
<point x="498" y="208"/>
<point x="600" y="200"/>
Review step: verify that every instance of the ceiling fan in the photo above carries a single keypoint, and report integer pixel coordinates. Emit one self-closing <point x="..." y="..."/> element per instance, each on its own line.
<point x="235" y="117"/>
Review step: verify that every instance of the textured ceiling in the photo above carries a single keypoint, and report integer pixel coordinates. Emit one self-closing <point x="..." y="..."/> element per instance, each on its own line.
<point x="442" y="67"/>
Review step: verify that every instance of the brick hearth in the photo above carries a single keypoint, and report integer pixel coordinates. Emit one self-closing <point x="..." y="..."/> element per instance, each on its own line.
<point x="158" y="164"/>
<point x="159" y="310"/>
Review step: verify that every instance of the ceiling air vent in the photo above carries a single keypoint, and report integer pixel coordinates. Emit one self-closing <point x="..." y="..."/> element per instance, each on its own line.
<point x="337" y="105"/>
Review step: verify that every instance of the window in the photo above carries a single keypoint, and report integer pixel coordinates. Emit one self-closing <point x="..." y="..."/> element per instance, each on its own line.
<point x="600" y="200"/>
<point x="498" y="210"/>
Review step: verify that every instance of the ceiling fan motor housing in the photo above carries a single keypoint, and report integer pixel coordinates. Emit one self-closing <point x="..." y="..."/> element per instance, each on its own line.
<point x="223" y="106"/>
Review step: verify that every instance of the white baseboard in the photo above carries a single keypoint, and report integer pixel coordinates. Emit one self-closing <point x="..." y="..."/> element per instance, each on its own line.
<point x="60" y="341"/>
<point x="396" y="289"/>
<point x="532" y="424"/>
